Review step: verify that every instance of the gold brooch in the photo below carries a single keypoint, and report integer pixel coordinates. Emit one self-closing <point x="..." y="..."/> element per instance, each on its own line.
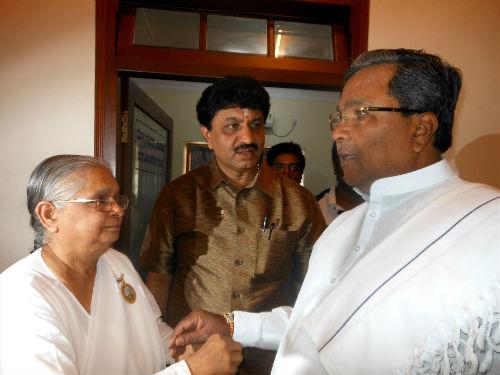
<point x="128" y="291"/>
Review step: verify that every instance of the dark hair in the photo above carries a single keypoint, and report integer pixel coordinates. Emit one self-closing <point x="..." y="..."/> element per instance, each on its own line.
<point x="421" y="81"/>
<point x="231" y="92"/>
<point x="49" y="182"/>
<point x="286" y="148"/>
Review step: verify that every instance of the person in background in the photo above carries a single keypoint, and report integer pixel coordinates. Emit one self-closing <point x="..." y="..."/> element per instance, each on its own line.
<point x="233" y="234"/>
<point x="76" y="306"/>
<point x="340" y="197"/>
<point x="287" y="158"/>
<point x="407" y="282"/>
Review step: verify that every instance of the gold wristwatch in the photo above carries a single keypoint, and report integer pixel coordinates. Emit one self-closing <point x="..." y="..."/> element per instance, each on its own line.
<point x="230" y="322"/>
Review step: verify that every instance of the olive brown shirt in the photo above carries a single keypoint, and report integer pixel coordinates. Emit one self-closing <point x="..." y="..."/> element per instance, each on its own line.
<point x="211" y="238"/>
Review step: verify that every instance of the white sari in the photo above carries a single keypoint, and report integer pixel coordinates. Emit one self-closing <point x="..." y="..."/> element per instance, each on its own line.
<point x="44" y="329"/>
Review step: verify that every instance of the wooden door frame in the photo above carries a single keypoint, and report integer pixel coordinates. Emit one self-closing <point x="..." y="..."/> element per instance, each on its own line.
<point x="107" y="65"/>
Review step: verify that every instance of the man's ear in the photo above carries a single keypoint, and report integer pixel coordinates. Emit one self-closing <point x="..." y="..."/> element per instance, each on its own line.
<point x="425" y="129"/>
<point x="48" y="214"/>
<point x="207" y="134"/>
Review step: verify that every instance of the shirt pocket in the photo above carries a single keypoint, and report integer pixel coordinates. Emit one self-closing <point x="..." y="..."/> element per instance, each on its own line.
<point x="275" y="252"/>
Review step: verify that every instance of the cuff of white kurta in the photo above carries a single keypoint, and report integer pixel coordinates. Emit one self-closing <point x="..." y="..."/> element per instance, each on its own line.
<point x="247" y="328"/>
<point x="261" y="330"/>
<point x="178" y="368"/>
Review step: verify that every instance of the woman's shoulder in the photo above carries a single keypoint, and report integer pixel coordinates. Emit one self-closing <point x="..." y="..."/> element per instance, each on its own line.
<point x="117" y="259"/>
<point x="29" y="280"/>
<point x="113" y="255"/>
<point x="29" y="266"/>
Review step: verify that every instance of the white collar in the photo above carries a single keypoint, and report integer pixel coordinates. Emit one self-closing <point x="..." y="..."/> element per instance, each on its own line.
<point x="422" y="178"/>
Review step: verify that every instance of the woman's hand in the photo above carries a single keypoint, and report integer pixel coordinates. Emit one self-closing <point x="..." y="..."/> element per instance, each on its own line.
<point x="219" y="355"/>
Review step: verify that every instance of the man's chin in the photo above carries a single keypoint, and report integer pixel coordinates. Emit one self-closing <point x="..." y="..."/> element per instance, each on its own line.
<point x="246" y="163"/>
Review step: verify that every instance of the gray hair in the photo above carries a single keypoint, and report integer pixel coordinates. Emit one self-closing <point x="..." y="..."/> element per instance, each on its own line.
<point x="49" y="182"/>
<point x="421" y="81"/>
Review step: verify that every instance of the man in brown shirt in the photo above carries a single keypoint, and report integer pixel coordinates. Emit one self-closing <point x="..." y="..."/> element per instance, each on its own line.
<point x="233" y="234"/>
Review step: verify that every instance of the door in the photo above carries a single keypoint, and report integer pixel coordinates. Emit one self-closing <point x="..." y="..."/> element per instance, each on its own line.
<point x="146" y="151"/>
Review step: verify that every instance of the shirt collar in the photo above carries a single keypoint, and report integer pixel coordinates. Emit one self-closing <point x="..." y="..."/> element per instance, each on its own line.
<point x="422" y="178"/>
<point x="216" y="177"/>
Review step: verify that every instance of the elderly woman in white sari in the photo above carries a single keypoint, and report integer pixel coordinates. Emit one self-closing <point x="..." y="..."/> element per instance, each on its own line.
<point x="76" y="306"/>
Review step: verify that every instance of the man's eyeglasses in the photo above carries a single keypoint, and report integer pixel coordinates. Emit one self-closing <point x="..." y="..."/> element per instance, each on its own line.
<point x="359" y="115"/>
<point x="104" y="203"/>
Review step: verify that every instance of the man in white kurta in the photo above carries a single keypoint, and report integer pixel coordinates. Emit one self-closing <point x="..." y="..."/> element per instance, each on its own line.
<point x="407" y="282"/>
<point x="425" y="298"/>
<point x="45" y="330"/>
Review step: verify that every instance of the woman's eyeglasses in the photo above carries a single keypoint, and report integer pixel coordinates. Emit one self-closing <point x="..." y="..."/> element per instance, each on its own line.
<point x="104" y="203"/>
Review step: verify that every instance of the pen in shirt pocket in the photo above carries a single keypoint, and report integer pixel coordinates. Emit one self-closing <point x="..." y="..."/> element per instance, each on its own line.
<point x="271" y="230"/>
<point x="271" y="227"/>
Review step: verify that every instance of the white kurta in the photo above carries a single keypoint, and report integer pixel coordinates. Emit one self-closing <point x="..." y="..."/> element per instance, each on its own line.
<point x="45" y="330"/>
<point x="407" y="283"/>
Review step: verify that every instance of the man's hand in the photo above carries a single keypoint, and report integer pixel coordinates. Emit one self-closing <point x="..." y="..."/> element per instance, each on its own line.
<point x="219" y="355"/>
<point x="195" y="329"/>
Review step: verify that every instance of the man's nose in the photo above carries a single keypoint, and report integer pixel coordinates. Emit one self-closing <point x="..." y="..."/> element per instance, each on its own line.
<point x="287" y="170"/>
<point x="341" y="132"/>
<point x="246" y="134"/>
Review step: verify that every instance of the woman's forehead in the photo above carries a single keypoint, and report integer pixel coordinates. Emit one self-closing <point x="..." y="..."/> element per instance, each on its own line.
<point x="99" y="181"/>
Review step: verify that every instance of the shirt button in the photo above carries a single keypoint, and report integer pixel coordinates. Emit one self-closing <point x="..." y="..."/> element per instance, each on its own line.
<point x="239" y="262"/>
<point x="373" y="214"/>
<point x="356" y="248"/>
<point x="240" y="230"/>
<point x="239" y="200"/>
<point x="236" y="295"/>
<point x="333" y="280"/>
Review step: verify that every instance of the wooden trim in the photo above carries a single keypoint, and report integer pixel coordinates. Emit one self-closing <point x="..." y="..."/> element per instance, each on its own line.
<point x="105" y="116"/>
<point x="270" y="37"/>
<point x="218" y="64"/>
<point x="360" y="12"/>
<point x="203" y="32"/>
<point x="126" y="25"/>
<point x="340" y="46"/>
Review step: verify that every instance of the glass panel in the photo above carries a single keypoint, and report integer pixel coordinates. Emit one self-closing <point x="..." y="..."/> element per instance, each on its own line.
<point x="149" y="175"/>
<point x="310" y="41"/>
<point x="237" y="34"/>
<point x="165" y="28"/>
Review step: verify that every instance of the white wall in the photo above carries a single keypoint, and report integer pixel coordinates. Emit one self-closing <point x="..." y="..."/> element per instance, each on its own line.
<point x="46" y="100"/>
<point x="467" y="34"/>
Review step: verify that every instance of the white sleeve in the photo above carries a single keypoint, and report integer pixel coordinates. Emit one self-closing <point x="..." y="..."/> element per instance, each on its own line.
<point x="165" y="334"/>
<point x="164" y="328"/>
<point x="179" y="368"/>
<point x="261" y="330"/>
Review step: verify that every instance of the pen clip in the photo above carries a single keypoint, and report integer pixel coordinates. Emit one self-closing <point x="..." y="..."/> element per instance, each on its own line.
<point x="264" y="224"/>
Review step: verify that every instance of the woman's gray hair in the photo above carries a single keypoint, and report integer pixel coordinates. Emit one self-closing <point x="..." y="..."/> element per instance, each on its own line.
<point x="49" y="182"/>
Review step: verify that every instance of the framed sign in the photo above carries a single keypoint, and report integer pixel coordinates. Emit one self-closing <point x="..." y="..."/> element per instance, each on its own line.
<point x="196" y="154"/>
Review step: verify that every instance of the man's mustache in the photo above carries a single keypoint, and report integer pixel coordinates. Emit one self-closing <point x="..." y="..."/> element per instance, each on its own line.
<point x="245" y="146"/>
